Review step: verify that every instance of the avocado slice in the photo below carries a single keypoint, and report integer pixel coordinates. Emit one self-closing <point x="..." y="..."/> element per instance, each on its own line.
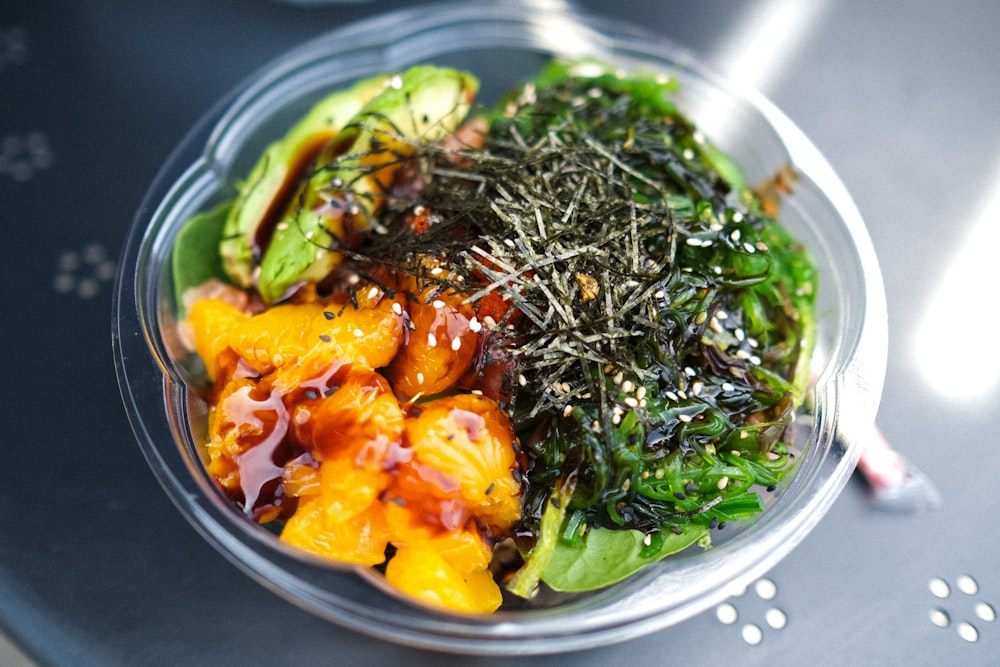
<point x="263" y="195"/>
<point x="353" y="171"/>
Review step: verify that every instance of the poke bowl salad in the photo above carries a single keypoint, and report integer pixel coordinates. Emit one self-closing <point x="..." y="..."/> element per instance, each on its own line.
<point x="487" y="343"/>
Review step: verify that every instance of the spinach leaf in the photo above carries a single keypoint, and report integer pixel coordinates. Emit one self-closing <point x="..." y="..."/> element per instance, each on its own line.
<point x="196" y="258"/>
<point x="605" y="556"/>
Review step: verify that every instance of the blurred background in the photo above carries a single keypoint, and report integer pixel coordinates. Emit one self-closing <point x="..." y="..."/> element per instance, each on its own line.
<point x="98" y="568"/>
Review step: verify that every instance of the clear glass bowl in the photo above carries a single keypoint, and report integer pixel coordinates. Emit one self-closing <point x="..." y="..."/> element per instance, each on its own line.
<point x="501" y="43"/>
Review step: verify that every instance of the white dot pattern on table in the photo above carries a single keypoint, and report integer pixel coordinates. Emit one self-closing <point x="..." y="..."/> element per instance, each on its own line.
<point x="965" y="586"/>
<point x="83" y="272"/>
<point x="753" y="633"/>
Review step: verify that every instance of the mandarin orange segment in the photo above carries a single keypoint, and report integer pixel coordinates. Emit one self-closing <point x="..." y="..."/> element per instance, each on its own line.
<point x="423" y="573"/>
<point x="246" y="427"/>
<point x="347" y="489"/>
<point x="463" y="447"/>
<point x="439" y="347"/>
<point x="210" y="322"/>
<point x="464" y="549"/>
<point x="359" y="419"/>
<point x="359" y="539"/>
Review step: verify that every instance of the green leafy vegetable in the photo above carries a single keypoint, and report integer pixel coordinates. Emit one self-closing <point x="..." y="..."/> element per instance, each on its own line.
<point x="195" y="259"/>
<point x="606" y="556"/>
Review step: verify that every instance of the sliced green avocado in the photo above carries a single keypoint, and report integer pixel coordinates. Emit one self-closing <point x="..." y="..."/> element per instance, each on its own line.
<point x="346" y="191"/>
<point x="266" y="190"/>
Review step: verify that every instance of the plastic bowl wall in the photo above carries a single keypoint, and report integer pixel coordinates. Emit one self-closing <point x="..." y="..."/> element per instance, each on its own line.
<point x="501" y="43"/>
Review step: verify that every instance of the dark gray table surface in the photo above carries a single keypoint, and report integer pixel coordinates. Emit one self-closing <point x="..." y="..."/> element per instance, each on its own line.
<point x="98" y="568"/>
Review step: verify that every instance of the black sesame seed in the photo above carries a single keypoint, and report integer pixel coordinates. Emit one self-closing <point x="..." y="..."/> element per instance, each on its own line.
<point x="328" y="315"/>
<point x="325" y="338"/>
<point x="679" y="496"/>
<point x="676" y="530"/>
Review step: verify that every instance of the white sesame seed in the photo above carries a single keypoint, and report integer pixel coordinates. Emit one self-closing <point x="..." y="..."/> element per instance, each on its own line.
<point x="693" y="241"/>
<point x="740" y="336"/>
<point x="396" y="308"/>
<point x="641" y="392"/>
<point x="627" y="386"/>
<point x="619" y="376"/>
<point x="642" y="402"/>
<point x="700" y="318"/>
<point x="647" y="539"/>
<point x="723" y="482"/>
<point x="436" y="270"/>
<point x="456" y="344"/>
<point x="420" y="378"/>
<point x="684" y="418"/>
<point x="735" y="235"/>
<point x="690" y="372"/>
<point x="749" y="247"/>
<point x="696" y="388"/>
<point x="489" y="321"/>
<point x="659" y="294"/>
<point x="616" y="419"/>
<point x="726" y="386"/>
<point x="432" y="340"/>
<point x="475" y="326"/>
<point x="373" y="292"/>
<point x="672" y="396"/>
<point x="438" y="303"/>
<point x="358" y="333"/>
<point x="565" y="387"/>
<point x="521" y="380"/>
<point x="477" y="392"/>
<point x="632" y="402"/>
<point x="567" y="410"/>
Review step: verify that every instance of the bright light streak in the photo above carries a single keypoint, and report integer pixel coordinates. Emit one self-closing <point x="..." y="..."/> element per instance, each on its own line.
<point x="765" y="40"/>
<point x="956" y="342"/>
<point x="557" y="30"/>
<point x="761" y="46"/>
